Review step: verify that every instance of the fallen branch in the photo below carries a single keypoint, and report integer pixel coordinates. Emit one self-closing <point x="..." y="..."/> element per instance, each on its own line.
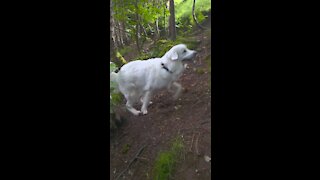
<point x="143" y="158"/>
<point x="196" y="145"/>
<point x="133" y="159"/>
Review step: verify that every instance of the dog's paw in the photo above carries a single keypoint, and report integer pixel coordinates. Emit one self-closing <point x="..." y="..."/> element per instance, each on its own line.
<point x="144" y="112"/>
<point x="136" y="113"/>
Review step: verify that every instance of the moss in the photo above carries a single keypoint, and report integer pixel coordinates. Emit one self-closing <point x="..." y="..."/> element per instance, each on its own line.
<point x="165" y="162"/>
<point x="200" y="71"/>
<point x="116" y="98"/>
<point x="125" y="148"/>
<point x="120" y="57"/>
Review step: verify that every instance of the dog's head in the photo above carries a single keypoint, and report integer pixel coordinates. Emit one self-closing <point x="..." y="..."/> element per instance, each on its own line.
<point x="180" y="52"/>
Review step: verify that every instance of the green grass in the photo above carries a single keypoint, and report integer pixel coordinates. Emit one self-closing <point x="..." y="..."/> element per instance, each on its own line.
<point x="165" y="162"/>
<point x="200" y="70"/>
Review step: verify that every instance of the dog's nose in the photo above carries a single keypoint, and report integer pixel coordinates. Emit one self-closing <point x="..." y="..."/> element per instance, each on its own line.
<point x="195" y="53"/>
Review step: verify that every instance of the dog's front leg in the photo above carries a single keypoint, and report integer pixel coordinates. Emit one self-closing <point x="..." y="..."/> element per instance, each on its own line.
<point x="178" y="90"/>
<point x="146" y="101"/>
<point x="141" y="100"/>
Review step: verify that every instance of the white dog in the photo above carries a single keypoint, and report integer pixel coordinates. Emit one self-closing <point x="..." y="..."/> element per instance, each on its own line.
<point x="138" y="80"/>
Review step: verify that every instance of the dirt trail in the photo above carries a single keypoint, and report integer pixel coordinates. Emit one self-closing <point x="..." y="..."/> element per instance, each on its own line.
<point x="189" y="117"/>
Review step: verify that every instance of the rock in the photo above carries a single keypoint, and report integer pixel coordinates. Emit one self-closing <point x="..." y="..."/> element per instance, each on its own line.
<point x="207" y="158"/>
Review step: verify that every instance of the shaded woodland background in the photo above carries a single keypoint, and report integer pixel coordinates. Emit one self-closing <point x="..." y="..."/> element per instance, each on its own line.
<point x="141" y="22"/>
<point x="174" y="140"/>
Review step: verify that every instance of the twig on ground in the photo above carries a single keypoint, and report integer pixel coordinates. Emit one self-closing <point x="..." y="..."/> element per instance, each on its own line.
<point x="203" y="122"/>
<point x="190" y="149"/>
<point x="122" y="135"/>
<point x="143" y="158"/>
<point x="196" y="145"/>
<point x="133" y="159"/>
<point x="203" y="169"/>
<point x="195" y="128"/>
<point x="198" y="100"/>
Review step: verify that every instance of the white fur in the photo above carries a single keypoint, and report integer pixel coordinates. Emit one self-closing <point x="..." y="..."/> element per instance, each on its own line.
<point x="140" y="79"/>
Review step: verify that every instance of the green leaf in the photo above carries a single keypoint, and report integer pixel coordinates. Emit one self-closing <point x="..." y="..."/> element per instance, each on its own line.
<point x="113" y="67"/>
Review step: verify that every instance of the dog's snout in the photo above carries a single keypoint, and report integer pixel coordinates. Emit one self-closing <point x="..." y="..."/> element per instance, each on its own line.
<point x="194" y="53"/>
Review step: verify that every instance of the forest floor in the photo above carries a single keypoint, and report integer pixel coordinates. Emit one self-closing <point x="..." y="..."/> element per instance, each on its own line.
<point x="189" y="117"/>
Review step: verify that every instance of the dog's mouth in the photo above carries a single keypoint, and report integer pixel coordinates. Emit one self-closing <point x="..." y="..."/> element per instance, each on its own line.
<point x="194" y="57"/>
<point x="191" y="56"/>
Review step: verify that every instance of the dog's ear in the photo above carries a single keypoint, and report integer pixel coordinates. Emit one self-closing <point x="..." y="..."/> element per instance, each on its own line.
<point x="173" y="56"/>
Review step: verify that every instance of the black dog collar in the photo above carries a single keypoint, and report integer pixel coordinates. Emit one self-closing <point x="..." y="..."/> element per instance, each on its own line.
<point x="165" y="67"/>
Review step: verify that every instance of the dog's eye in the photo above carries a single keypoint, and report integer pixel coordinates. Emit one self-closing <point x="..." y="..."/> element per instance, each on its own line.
<point x="184" y="51"/>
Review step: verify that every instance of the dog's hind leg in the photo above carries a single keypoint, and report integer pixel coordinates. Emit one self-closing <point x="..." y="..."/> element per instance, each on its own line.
<point x="129" y="105"/>
<point x="146" y="101"/>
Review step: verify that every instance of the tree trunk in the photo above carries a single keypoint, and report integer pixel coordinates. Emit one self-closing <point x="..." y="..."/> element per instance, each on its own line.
<point x="144" y="31"/>
<point x="125" y="35"/>
<point x="113" y="44"/>
<point x="137" y="26"/>
<point x="194" y="15"/>
<point x="156" y="24"/>
<point x="115" y="30"/>
<point x="120" y="34"/>
<point x="153" y="29"/>
<point x="123" y="27"/>
<point x="164" y="19"/>
<point x="172" y="21"/>
<point x="157" y="32"/>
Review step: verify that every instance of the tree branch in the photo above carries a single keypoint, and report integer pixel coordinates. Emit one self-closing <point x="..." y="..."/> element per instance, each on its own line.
<point x="133" y="159"/>
<point x="194" y="15"/>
